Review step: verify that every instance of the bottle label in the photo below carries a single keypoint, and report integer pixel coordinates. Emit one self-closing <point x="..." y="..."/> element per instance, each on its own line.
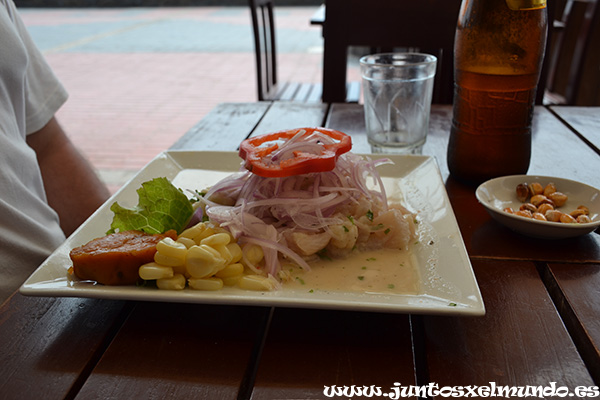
<point x="517" y="5"/>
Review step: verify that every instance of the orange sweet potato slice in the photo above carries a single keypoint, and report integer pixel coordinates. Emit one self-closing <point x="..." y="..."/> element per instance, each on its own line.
<point x="116" y="258"/>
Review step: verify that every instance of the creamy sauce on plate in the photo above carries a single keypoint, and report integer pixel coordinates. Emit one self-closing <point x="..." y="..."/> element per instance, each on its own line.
<point x="386" y="271"/>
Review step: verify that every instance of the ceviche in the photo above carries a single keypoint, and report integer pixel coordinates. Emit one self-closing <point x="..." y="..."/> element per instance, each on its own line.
<point x="299" y="196"/>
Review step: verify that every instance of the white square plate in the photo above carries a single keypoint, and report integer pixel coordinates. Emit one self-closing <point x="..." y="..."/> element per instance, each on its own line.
<point x="447" y="284"/>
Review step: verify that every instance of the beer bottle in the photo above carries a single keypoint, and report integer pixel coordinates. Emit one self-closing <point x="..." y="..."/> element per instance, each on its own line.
<point x="498" y="53"/>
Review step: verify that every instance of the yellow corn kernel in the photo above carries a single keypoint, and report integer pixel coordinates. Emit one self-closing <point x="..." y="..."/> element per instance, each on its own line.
<point x="177" y="282"/>
<point x="206" y="283"/>
<point x="232" y="280"/>
<point x="236" y="252"/>
<point x="231" y="270"/>
<point x="208" y="231"/>
<point x="153" y="271"/>
<point x="193" y="231"/>
<point x="218" y="239"/>
<point x="254" y="253"/>
<point x="257" y="282"/>
<point x="170" y="253"/>
<point x="187" y="242"/>
<point x="224" y="252"/>
<point x="203" y="261"/>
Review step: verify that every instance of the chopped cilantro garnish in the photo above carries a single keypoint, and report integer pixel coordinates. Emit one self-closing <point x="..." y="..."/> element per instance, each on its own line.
<point x="377" y="227"/>
<point x="300" y="280"/>
<point x="351" y="218"/>
<point x="391" y="286"/>
<point x="345" y="229"/>
<point x="370" y="215"/>
<point x="387" y="231"/>
<point x="323" y="254"/>
<point x="360" y="277"/>
<point x="452" y="304"/>
<point x="371" y="259"/>
<point x="363" y="267"/>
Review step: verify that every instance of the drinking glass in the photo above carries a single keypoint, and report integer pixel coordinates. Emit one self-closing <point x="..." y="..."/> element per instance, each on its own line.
<point x="397" y="91"/>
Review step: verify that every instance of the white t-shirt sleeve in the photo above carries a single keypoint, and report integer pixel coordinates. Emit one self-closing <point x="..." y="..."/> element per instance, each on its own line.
<point x="45" y="94"/>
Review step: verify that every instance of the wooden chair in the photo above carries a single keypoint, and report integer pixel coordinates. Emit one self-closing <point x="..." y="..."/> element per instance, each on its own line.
<point x="427" y="25"/>
<point x="263" y="24"/>
<point x="574" y="75"/>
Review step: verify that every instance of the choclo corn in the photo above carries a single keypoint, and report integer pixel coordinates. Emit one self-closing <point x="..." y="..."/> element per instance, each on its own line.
<point x="202" y="261"/>
<point x="257" y="282"/>
<point x="152" y="271"/>
<point x="170" y="253"/>
<point x="206" y="257"/>
<point x="206" y="283"/>
<point x="177" y="282"/>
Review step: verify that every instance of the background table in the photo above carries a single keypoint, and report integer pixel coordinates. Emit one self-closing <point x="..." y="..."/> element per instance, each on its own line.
<point x="542" y="300"/>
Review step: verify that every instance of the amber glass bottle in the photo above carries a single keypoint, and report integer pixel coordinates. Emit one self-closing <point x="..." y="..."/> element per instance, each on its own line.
<point x="498" y="53"/>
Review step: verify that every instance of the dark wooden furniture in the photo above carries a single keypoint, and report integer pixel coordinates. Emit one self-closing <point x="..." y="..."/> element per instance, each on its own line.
<point x="385" y="25"/>
<point x="265" y="49"/>
<point x="542" y="302"/>
<point x="574" y="76"/>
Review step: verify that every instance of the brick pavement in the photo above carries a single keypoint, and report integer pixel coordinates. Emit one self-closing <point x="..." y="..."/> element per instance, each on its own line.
<point x="139" y="78"/>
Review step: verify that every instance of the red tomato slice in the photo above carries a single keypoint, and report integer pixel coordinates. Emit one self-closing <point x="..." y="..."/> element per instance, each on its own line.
<point x="294" y="152"/>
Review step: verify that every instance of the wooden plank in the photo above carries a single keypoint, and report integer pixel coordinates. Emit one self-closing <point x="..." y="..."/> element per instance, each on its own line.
<point x="307" y="350"/>
<point x="520" y="341"/>
<point x="223" y="128"/>
<point x="575" y="290"/>
<point x="585" y="120"/>
<point x="290" y="115"/>
<point x="185" y="351"/>
<point x="49" y="345"/>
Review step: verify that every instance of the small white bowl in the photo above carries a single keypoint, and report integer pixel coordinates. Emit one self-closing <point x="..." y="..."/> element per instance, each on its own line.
<point x="500" y="193"/>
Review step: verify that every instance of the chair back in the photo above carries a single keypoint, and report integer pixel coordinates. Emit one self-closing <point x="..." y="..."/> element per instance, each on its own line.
<point x="263" y="25"/>
<point x="425" y="25"/>
<point x="574" y="73"/>
<point x="428" y="25"/>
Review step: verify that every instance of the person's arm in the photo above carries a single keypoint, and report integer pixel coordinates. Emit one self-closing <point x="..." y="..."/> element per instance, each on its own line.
<point x="72" y="187"/>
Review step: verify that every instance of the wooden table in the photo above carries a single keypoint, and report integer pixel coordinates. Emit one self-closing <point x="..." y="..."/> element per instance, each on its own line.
<point x="542" y="300"/>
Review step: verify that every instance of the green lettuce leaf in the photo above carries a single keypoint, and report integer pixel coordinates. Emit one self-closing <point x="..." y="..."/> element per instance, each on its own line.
<point x="161" y="207"/>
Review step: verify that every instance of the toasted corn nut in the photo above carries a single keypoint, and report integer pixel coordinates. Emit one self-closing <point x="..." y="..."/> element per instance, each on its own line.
<point x="539" y="216"/>
<point x="585" y="209"/>
<point x="509" y="210"/>
<point x="553" y="215"/>
<point x="529" y="207"/>
<point x="535" y="188"/>
<point x="206" y="283"/>
<point x="193" y="231"/>
<point x="545" y="207"/>
<point x="216" y="239"/>
<point x="538" y="199"/>
<point x="236" y="252"/>
<point x="577" y="212"/>
<point x="522" y="192"/>
<point x="152" y="271"/>
<point x="559" y="199"/>
<point x="524" y="213"/>
<point x="230" y="270"/>
<point x="567" y="219"/>
<point x="177" y="282"/>
<point x="583" y="219"/>
<point x="170" y="253"/>
<point x="203" y="261"/>
<point x="549" y="189"/>
<point x="256" y="282"/>
<point x="187" y="242"/>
